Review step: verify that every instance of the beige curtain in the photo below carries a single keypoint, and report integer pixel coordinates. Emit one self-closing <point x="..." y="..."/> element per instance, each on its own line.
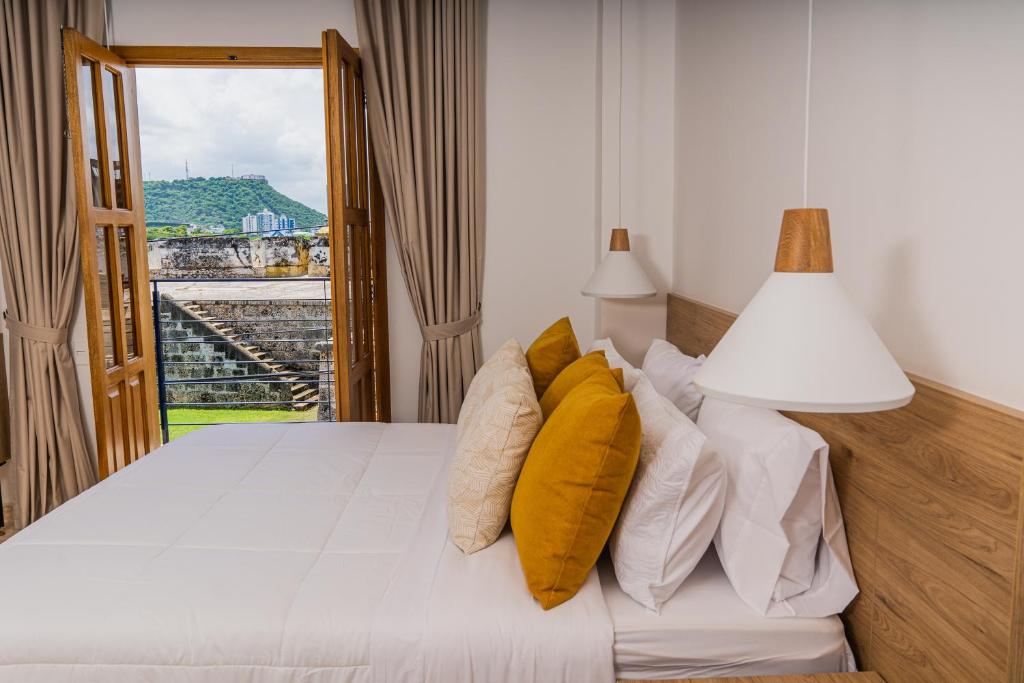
<point x="422" y="64"/>
<point x="39" y="250"/>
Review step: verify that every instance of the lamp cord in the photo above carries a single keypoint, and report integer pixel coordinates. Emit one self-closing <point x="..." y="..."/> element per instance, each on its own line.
<point x="619" y="204"/>
<point x="807" y="95"/>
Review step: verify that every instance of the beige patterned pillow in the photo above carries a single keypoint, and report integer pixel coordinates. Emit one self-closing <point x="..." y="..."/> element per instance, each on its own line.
<point x="500" y="416"/>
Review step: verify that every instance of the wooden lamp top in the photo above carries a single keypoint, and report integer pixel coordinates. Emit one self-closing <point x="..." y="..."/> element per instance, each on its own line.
<point x="805" y="245"/>
<point x="620" y="240"/>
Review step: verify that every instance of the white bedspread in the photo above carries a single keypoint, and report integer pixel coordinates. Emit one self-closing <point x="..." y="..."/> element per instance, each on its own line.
<point x="272" y="553"/>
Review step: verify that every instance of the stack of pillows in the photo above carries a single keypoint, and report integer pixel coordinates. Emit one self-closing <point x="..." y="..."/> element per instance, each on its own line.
<point x="585" y="451"/>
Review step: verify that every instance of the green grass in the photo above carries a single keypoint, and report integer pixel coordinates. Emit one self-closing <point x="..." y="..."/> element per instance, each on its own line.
<point x="215" y="415"/>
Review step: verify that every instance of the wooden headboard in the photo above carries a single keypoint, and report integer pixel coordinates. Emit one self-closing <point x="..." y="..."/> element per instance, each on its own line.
<point x="931" y="496"/>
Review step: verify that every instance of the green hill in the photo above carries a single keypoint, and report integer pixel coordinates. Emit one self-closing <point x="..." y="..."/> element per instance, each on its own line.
<point x="212" y="201"/>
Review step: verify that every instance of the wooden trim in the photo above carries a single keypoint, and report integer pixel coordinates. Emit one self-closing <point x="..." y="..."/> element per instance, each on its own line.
<point x="619" y="240"/>
<point x="931" y="497"/>
<point x="379" y="272"/>
<point x="124" y="396"/>
<point x="358" y="259"/>
<point x="87" y="250"/>
<point x="1015" y="672"/>
<point x="336" y="231"/>
<point x="858" y="677"/>
<point x="221" y="56"/>
<point x="145" y="334"/>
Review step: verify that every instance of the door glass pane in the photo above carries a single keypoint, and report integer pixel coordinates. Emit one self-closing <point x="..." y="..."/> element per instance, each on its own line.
<point x="124" y="248"/>
<point x="89" y="133"/>
<point x="105" y="315"/>
<point x="112" y="107"/>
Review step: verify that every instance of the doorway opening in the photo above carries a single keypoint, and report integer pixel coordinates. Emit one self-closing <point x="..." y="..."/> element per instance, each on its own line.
<point x="235" y="187"/>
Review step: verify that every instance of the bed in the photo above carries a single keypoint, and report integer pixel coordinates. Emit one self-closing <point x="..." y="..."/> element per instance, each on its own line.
<point x="319" y="552"/>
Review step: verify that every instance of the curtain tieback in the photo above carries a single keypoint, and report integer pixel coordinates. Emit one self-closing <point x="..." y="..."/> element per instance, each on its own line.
<point x="47" y="335"/>
<point x="452" y="329"/>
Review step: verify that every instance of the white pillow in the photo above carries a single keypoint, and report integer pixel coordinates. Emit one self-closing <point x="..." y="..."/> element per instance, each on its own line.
<point x="671" y="372"/>
<point x="630" y="374"/>
<point x="781" y="540"/>
<point x="673" y="507"/>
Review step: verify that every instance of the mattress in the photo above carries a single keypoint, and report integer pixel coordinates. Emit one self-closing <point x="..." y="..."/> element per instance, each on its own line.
<point x="706" y="630"/>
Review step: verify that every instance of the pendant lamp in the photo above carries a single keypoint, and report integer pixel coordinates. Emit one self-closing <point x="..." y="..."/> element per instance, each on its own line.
<point x="801" y="344"/>
<point x="619" y="275"/>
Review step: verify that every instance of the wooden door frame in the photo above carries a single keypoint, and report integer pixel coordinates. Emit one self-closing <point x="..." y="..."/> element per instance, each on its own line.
<point x="346" y="136"/>
<point x="88" y="217"/>
<point x="192" y="56"/>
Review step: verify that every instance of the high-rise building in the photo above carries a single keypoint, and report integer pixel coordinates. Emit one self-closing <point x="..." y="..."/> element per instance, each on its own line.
<point x="266" y="222"/>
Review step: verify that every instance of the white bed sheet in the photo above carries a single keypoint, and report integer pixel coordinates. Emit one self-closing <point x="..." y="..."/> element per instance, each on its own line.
<point x="274" y="553"/>
<point x="255" y="552"/>
<point x="705" y="630"/>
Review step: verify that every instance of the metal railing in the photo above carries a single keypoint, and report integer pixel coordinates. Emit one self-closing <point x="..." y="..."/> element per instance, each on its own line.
<point x="260" y="351"/>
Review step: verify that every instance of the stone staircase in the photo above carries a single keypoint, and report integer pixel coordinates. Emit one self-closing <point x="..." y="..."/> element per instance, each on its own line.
<point x="303" y="395"/>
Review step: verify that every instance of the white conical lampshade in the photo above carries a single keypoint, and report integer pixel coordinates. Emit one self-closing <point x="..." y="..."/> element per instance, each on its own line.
<point x="801" y="344"/>
<point x="620" y="275"/>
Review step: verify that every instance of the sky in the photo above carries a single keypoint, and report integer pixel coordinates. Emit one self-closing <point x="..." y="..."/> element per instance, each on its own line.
<point x="265" y="121"/>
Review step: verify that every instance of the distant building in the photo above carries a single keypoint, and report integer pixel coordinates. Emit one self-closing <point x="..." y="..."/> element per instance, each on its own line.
<point x="266" y="222"/>
<point x="253" y="176"/>
<point x="195" y="229"/>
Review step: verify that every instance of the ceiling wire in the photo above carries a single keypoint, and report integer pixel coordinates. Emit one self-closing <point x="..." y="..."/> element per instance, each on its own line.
<point x="807" y="95"/>
<point x="619" y="204"/>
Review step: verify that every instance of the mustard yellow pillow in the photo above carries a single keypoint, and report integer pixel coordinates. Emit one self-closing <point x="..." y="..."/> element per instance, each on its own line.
<point x="572" y="486"/>
<point x="571" y="377"/>
<point x="548" y="355"/>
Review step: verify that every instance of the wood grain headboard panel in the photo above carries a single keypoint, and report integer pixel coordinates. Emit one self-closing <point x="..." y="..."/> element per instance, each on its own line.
<point x="931" y="496"/>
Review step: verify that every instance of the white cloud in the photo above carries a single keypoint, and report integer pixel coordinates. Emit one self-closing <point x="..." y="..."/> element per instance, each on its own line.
<point x="266" y="121"/>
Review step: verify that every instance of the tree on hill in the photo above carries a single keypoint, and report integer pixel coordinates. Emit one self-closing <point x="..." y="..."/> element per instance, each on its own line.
<point x="212" y="201"/>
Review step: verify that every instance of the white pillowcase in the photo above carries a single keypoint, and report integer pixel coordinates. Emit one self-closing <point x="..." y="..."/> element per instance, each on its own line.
<point x="615" y="360"/>
<point x="671" y="372"/>
<point x="673" y="507"/>
<point x="781" y="540"/>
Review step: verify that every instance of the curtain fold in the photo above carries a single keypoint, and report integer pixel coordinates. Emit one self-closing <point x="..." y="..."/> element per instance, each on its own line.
<point x="39" y="251"/>
<point x="422" y="64"/>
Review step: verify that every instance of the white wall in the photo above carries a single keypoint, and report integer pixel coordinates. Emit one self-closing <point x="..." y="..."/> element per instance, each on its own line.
<point x="647" y="177"/>
<point x="552" y="163"/>
<point x="915" y="148"/>
<point x="267" y="23"/>
<point x="543" y="128"/>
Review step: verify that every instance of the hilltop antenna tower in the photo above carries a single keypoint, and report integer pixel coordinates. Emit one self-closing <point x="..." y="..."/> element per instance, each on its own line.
<point x="186" y="169"/>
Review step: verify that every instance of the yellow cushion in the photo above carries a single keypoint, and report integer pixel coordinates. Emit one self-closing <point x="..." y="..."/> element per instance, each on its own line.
<point x="572" y="486"/>
<point x="571" y="377"/>
<point x="548" y="355"/>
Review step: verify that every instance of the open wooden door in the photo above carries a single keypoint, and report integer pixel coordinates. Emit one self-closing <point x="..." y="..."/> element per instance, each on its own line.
<point x="103" y="121"/>
<point x="356" y="229"/>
